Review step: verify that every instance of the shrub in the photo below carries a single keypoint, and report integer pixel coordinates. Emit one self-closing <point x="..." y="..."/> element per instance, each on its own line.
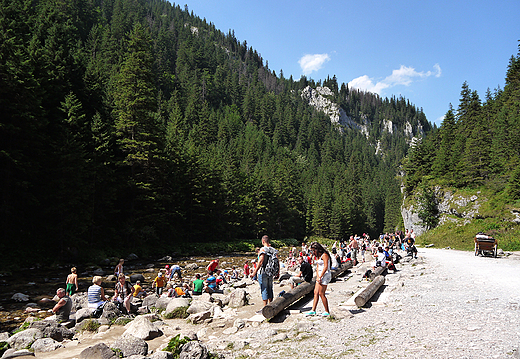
<point x="175" y="345"/>
<point x="89" y="325"/>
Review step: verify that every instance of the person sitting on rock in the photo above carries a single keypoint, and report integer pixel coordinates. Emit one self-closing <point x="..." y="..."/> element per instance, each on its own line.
<point x="212" y="266"/>
<point x="139" y="292"/>
<point x="211" y="284"/>
<point x="234" y="274"/>
<point x="198" y="285"/>
<point x="123" y="292"/>
<point x="96" y="293"/>
<point x="63" y="307"/>
<point x="305" y="273"/>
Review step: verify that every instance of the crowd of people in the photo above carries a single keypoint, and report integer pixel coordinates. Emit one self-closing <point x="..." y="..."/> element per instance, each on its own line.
<point x="310" y="261"/>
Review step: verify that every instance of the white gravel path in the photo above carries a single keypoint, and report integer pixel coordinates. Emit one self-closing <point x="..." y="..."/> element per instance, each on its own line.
<point x="446" y="304"/>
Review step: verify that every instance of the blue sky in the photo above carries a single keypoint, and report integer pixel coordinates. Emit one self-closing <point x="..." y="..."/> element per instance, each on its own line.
<point x="422" y="50"/>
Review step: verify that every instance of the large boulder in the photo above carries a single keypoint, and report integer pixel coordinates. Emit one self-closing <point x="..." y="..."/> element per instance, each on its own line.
<point x="142" y="327"/>
<point x="79" y="300"/>
<point x="194" y="350"/>
<point x="191" y="266"/>
<point x="176" y="303"/>
<point x="20" y="297"/>
<point x="135" y="277"/>
<point x="83" y="313"/>
<point x="220" y="299"/>
<point x="162" y="302"/>
<point x="238" y="298"/>
<point x="51" y="329"/>
<point x="24" y="339"/>
<point x="45" y="345"/>
<point x="11" y="353"/>
<point x="129" y="345"/>
<point x="199" y="317"/>
<point x="198" y="306"/>
<point x="110" y="311"/>
<point x="98" y="351"/>
<point x="150" y="301"/>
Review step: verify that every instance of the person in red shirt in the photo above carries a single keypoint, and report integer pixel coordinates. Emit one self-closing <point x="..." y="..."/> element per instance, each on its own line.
<point x="246" y="269"/>
<point x="212" y="266"/>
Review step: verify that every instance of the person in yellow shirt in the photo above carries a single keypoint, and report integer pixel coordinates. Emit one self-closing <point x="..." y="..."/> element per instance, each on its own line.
<point x="159" y="282"/>
<point x="138" y="290"/>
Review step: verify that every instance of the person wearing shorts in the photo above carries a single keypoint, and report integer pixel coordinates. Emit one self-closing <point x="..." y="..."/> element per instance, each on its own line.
<point x="323" y="278"/>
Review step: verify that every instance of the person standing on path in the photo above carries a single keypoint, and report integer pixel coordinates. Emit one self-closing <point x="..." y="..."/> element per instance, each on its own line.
<point x="354" y="247"/>
<point x="265" y="280"/>
<point x="72" y="282"/>
<point x="323" y="278"/>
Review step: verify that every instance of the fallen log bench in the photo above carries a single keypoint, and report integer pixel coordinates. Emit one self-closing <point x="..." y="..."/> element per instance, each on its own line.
<point x="377" y="272"/>
<point x="293" y="295"/>
<point x="369" y="291"/>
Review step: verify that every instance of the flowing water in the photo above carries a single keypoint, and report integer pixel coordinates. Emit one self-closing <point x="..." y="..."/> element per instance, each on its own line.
<point x="41" y="284"/>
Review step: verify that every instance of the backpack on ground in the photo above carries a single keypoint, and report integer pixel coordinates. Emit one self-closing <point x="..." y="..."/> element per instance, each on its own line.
<point x="272" y="266"/>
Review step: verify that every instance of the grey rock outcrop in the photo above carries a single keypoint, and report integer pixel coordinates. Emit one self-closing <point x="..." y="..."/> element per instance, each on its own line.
<point x="12" y="353"/>
<point x="238" y="298"/>
<point x="24" y="339"/>
<point x="161" y="355"/>
<point x="51" y="329"/>
<point x="176" y="303"/>
<point x="45" y="345"/>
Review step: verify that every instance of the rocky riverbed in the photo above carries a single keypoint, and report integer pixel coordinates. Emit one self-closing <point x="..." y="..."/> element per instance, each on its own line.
<point x="446" y="304"/>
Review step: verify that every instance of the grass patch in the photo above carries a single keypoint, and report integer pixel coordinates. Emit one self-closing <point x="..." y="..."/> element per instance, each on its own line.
<point x="89" y="325"/>
<point x="178" y="313"/>
<point x="175" y="345"/>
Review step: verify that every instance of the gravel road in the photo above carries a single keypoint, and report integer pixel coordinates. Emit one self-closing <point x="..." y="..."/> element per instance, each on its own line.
<point x="446" y="304"/>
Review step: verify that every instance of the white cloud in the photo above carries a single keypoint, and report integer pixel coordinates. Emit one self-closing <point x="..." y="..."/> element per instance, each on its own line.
<point x="310" y="63"/>
<point x="405" y="75"/>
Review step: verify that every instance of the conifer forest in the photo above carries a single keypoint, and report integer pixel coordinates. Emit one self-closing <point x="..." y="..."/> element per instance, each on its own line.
<point x="134" y="125"/>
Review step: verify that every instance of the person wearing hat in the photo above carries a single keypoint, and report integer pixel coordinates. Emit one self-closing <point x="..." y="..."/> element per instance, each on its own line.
<point x="159" y="283"/>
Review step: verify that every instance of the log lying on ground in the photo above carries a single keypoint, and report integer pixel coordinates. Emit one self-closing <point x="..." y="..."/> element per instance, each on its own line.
<point x="377" y="272"/>
<point x="291" y="296"/>
<point x="369" y="291"/>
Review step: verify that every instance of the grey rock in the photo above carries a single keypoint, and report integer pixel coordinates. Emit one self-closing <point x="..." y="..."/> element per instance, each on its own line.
<point x="199" y="317"/>
<point x="166" y="259"/>
<point x="162" y="302"/>
<point x="191" y="266"/>
<point x="220" y="299"/>
<point x="130" y="346"/>
<point x="99" y="272"/>
<point x="194" y="350"/>
<point x="239" y="323"/>
<point x="24" y="338"/>
<point x="111" y="311"/>
<point x="79" y="301"/>
<point x="11" y="353"/>
<point x="150" y="301"/>
<point x="51" y="329"/>
<point x="238" y="298"/>
<point x="241" y="284"/>
<point x="132" y="257"/>
<point x="161" y="354"/>
<point x="136" y="356"/>
<point x="199" y="306"/>
<point x="176" y="303"/>
<point x="4" y="336"/>
<point x="111" y="278"/>
<point x="141" y="327"/>
<point x="45" y="345"/>
<point x="135" y="277"/>
<point x="230" y="330"/>
<point x="83" y="313"/>
<point x="20" y="297"/>
<point x="98" y="351"/>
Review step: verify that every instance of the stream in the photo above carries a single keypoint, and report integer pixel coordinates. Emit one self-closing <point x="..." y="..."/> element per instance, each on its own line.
<point x="40" y="284"/>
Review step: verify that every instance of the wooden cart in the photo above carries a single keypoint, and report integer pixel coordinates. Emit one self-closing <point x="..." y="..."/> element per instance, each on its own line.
<point x="485" y="244"/>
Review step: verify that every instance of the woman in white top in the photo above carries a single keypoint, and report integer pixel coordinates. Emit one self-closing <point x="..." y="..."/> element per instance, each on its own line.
<point x="323" y="277"/>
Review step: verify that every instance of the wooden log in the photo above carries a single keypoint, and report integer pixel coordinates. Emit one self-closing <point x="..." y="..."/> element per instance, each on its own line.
<point x="293" y="295"/>
<point x="377" y="272"/>
<point x="369" y="291"/>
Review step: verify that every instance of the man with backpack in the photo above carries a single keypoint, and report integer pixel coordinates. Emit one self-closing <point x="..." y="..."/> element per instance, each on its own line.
<point x="267" y="269"/>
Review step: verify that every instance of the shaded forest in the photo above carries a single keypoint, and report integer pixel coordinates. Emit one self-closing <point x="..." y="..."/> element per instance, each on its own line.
<point x="134" y="125"/>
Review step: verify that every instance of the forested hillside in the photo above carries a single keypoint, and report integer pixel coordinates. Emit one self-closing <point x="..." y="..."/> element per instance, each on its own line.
<point x="133" y="125"/>
<point x="477" y="147"/>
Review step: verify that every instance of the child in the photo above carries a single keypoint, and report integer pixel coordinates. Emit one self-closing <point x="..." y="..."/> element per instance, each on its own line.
<point x="72" y="282"/>
<point x="234" y="273"/>
<point x="119" y="268"/>
<point x="138" y="290"/>
<point x="246" y="268"/>
<point x="159" y="283"/>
